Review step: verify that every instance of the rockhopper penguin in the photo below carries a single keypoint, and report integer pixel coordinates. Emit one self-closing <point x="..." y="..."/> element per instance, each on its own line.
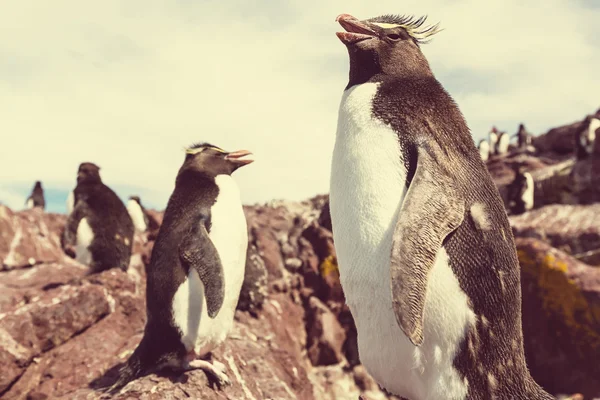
<point x="503" y="142"/>
<point x="521" y="192"/>
<point x="585" y="137"/>
<point x="196" y="269"/>
<point x="36" y="198"/>
<point x="138" y="214"/>
<point x="426" y="255"/>
<point x="99" y="231"/>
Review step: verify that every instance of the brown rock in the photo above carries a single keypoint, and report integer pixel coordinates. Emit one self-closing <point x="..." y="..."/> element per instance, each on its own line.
<point x="29" y="237"/>
<point x="325" y="335"/>
<point x="254" y="289"/>
<point x="585" y="180"/>
<point x="561" y="310"/>
<point x="574" y="229"/>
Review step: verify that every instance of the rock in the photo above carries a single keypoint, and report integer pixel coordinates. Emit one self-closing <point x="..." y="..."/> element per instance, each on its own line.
<point x="325" y="335"/>
<point x="29" y="237"/>
<point x="63" y="333"/>
<point x="255" y="287"/>
<point x="585" y="180"/>
<point x="574" y="229"/>
<point x="561" y="314"/>
<point x="560" y="140"/>
<point x="293" y="264"/>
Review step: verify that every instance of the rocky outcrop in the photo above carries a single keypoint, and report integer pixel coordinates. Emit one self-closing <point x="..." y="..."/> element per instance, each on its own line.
<point x="64" y="334"/>
<point x="561" y="318"/>
<point x="29" y="237"/>
<point x="560" y="140"/>
<point x="574" y="229"/>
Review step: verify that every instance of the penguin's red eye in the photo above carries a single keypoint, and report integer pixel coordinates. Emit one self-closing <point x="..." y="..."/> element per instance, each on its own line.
<point x="393" y="36"/>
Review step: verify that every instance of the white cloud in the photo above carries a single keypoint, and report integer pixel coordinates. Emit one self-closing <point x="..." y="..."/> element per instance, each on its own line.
<point x="128" y="84"/>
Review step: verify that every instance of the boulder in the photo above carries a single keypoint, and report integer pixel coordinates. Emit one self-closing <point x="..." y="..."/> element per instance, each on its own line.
<point x="574" y="229"/>
<point x="561" y="318"/>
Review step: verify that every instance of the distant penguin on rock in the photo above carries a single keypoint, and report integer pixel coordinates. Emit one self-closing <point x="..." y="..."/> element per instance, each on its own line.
<point x="36" y="198"/>
<point x="585" y="137"/>
<point x="493" y="140"/>
<point x="425" y="251"/>
<point x="484" y="149"/>
<point x="521" y="192"/>
<point x="138" y="214"/>
<point x="99" y="231"/>
<point x="502" y="144"/>
<point x="523" y="137"/>
<point x="196" y="269"/>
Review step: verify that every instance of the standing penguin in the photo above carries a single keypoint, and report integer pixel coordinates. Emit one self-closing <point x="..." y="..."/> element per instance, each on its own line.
<point x="585" y="137"/>
<point x="502" y="144"/>
<point x="138" y="214"/>
<point x="523" y="137"/>
<point x="99" y="231"/>
<point x="426" y="255"/>
<point x="493" y="140"/>
<point x="36" y="198"/>
<point x="484" y="149"/>
<point x="520" y="192"/>
<point x="196" y="269"/>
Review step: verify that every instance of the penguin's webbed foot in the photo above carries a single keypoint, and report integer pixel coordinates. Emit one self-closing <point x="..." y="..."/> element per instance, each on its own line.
<point x="215" y="370"/>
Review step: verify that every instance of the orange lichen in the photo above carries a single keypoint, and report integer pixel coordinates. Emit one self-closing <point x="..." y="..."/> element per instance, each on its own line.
<point x="562" y="298"/>
<point x="329" y="267"/>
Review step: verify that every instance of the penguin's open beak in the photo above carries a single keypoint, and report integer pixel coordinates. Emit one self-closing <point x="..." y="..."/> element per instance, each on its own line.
<point x="236" y="157"/>
<point x="356" y="31"/>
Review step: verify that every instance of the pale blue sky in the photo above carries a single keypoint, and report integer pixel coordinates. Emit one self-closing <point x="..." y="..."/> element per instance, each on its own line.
<point x="128" y="84"/>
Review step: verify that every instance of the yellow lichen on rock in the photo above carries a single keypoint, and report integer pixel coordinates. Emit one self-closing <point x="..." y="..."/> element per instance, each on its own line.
<point x="562" y="297"/>
<point x="329" y="266"/>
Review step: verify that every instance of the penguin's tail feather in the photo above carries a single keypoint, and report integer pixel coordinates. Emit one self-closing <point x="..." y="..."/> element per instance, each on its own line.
<point x="130" y="371"/>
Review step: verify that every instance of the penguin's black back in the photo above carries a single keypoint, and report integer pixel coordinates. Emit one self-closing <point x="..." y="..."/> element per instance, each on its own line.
<point x="111" y="224"/>
<point x="484" y="260"/>
<point x="37" y="195"/>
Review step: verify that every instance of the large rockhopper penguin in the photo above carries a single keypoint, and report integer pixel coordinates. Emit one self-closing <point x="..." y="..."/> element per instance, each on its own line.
<point x="196" y="269"/>
<point x="426" y="254"/>
<point x="99" y="230"/>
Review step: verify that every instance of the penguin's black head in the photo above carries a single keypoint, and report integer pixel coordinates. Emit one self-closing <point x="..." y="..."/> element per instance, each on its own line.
<point x="212" y="160"/>
<point x="38" y="185"/>
<point x="385" y="45"/>
<point x="88" y="173"/>
<point x="136" y="199"/>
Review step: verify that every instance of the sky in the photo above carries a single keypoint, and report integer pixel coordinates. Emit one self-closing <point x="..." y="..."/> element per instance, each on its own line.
<point x="128" y="84"/>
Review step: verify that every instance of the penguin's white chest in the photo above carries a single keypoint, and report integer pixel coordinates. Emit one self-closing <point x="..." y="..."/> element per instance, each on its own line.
<point x="85" y="236"/>
<point x="229" y="235"/>
<point x="484" y="150"/>
<point x="503" y="143"/>
<point x="366" y="191"/>
<point x="137" y="215"/>
<point x="528" y="192"/>
<point x="70" y="202"/>
<point x="30" y="203"/>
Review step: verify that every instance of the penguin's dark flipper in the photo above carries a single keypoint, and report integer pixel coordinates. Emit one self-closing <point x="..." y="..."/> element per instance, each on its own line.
<point x="69" y="236"/>
<point x="432" y="209"/>
<point x="198" y="251"/>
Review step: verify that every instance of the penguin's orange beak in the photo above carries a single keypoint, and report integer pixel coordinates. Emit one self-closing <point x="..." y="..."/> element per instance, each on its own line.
<point x="356" y="31"/>
<point x="236" y="157"/>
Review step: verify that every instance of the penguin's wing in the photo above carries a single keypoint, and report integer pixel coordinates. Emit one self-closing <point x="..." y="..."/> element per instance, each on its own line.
<point x="198" y="251"/>
<point x="70" y="233"/>
<point x="432" y="209"/>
